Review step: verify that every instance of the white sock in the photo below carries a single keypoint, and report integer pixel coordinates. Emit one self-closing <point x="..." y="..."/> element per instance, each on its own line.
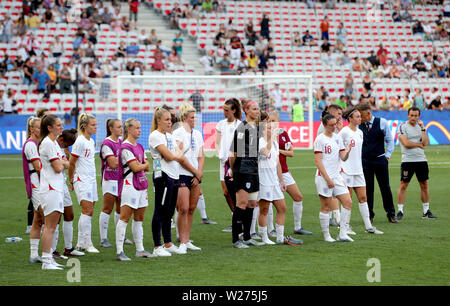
<point x="345" y="217"/>
<point x="138" y="235"/>
<point x="400" y="207"/>
<point x="88" y="227"/>
<point x="254" y="220"/>
<point x="201" y="207"/>
<point x="280" y="232"/>
<point x="270" y="219"/>
<point x="55" y="238"/>
<point x="80" y="241"/>
<point x="263" y="232"/>
<point x="364" y="211"/>
<point x="121" y="229"/>
<point x="103" y="224"/>
<point x="298" y="211"/>
<point x="426" y="207"/>
<point x="34" y="247"/>
<point x="337" y="216"/>
<point x="324" y="220"/>
<point x="47" y="258"/>
<point x="116" y="218"/>
<point x="68" y="234"/>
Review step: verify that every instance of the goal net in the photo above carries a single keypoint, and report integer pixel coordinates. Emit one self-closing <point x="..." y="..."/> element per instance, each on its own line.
<point x="137" y="97"/>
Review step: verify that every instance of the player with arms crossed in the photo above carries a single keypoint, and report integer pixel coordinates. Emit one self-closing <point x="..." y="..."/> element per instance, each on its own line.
<point x="133" y="184"/>
<point x="328" y="152"/>
<point x="352" y="170"/>
<point x="413" y="139"/>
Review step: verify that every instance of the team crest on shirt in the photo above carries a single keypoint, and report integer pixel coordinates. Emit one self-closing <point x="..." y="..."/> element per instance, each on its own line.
<point x="282" y="137"/>
<point x="247" y="185"/>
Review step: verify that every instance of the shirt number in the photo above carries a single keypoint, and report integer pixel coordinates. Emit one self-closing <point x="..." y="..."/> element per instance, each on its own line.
<point x="327" y="149"/>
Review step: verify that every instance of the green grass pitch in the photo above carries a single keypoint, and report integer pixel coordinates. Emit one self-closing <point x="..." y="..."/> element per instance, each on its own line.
<point x="413" y="252"/>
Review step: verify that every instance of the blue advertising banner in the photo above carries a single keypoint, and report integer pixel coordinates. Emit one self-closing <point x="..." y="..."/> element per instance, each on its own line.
<point x="437" y="123"/>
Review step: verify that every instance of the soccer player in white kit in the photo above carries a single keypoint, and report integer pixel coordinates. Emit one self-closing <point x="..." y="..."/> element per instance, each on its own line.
<point x="224" y="135"/>
<point x="51" y="189"/>
<point x="328" y="152"/>
<point x="190" y="142"/>
<point x="32" y="168"/>
<point x="133" y="190"/>
<point x="65" y="140"/>
<point x="271" y="186"/>
<point x="352" y="171"/>
<point x="82" y="178"/>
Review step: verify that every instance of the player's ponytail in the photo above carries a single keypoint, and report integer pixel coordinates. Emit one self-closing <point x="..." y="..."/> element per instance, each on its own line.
<point x="30" y="123"/>
<point x="69" y="137"/>
<point x="109" y="125"/>
<point x="349" y="113"/>
<point x="275" y="114"/>
<point x="129" y="122"/>
<point x="159" y="112"/>
<point x="83" y="121"/>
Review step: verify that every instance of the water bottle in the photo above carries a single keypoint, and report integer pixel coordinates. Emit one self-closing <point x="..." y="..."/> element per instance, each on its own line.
<point x="13" y="239"/>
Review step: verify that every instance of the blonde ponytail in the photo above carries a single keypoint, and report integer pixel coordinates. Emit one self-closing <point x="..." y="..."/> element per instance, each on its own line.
<point x="83" y="121"/>
<point x="30" y="123"/>
<point x="159" y="112"/>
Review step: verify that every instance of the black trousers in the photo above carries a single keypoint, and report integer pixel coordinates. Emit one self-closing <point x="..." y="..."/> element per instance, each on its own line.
<point x="378" y="168"/>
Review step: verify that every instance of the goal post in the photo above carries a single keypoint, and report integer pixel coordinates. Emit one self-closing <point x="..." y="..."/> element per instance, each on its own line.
<point x="138" y="96"/>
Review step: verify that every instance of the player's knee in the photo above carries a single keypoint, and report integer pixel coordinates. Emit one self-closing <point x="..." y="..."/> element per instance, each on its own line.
<point x="297" y="197"/>
<point x="363" y="199"/>
<point x="403" y="186"/>
<point x="68" y="217"/>
<point x="107" y="210"/>
<point x="423" y="185"/>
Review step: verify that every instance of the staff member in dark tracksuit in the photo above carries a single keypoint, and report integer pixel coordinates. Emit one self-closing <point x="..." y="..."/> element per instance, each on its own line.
<point x="375" y="159"/>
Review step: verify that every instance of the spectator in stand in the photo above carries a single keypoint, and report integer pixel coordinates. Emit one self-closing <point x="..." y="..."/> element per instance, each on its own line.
<point x="271" y="50"/>
<point x="440" y="67"/>
<point x="406" y="16"/>
<point x="265" y="31"/>
<point x="328" y="58"/>
<point x="308" y="39"/>
<point x="373" y="59"/>
<point x="348" y="87"/>
<point x="196" y="12"/>
<point x="42" y="80"/>
<point x="158" y="64"/>
<point x="324" y="26"/>
<point x="174" y="60"/>
<point x="221" y="35"/>
<point x="428" y="30"/>
<point x="325" y="47"/>
<point x="134" y="8"/>
<point x="28" y="72"/>
<point x="224" y="65"/>
<point x="419" y="100"/>
<point x="260" y="45"/>
<point x="48" y="16"/>
<point x="250" y="33"/>
<point x="253" y="61"/>
<point x="57" y="48"/>
<point x="385" y="71"/>
<point x="341" y="34"/>
<point x="322" y="103"/>
<point x="65" y="82"/>
<point x="447" y="104"/>
<point x="208" y="61"/>
<point x="125" y="25"/>
<point x="263" y="59"/>
<point x="344" y="60"/>
<point x="53" y="74"/>
<point x="92" y="33"/>
<point x="174" y="15"/>
<point x="368" y="83"/>
<point x="276" y="97"/>
<point x="396" y="15"/>
<point x="178" y="44"/>
<point x="8" y="102"/>
<point x="357" y="65"/>
<point x="417" y="27"/>
<point x="419" y="65"/>
<point x="34" y="22"/>
<point x="235" y="48"/>
<point x="382" y="55"/>
<point x="220" y="52"/>
<point x="436" y="104"/>
<point x="366" y="97"/>
<point x="116" y="24"/>
<point x="207" y="6"/>
<point x="297" y="40"/>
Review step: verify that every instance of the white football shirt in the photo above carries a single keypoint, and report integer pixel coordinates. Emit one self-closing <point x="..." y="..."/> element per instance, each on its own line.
<point x="226" y="130"/>
<point x="84" y="149"/>
<point x="353" y="165"/>
<point x="329" y="147"/>
<point x="31" y="154"/>
<point x="50" y="180"/>
<point x="267" y="164"/>
<point x="192" y="144"/>
<point x="127" y="157"/>
<point x="171" y="168"/>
